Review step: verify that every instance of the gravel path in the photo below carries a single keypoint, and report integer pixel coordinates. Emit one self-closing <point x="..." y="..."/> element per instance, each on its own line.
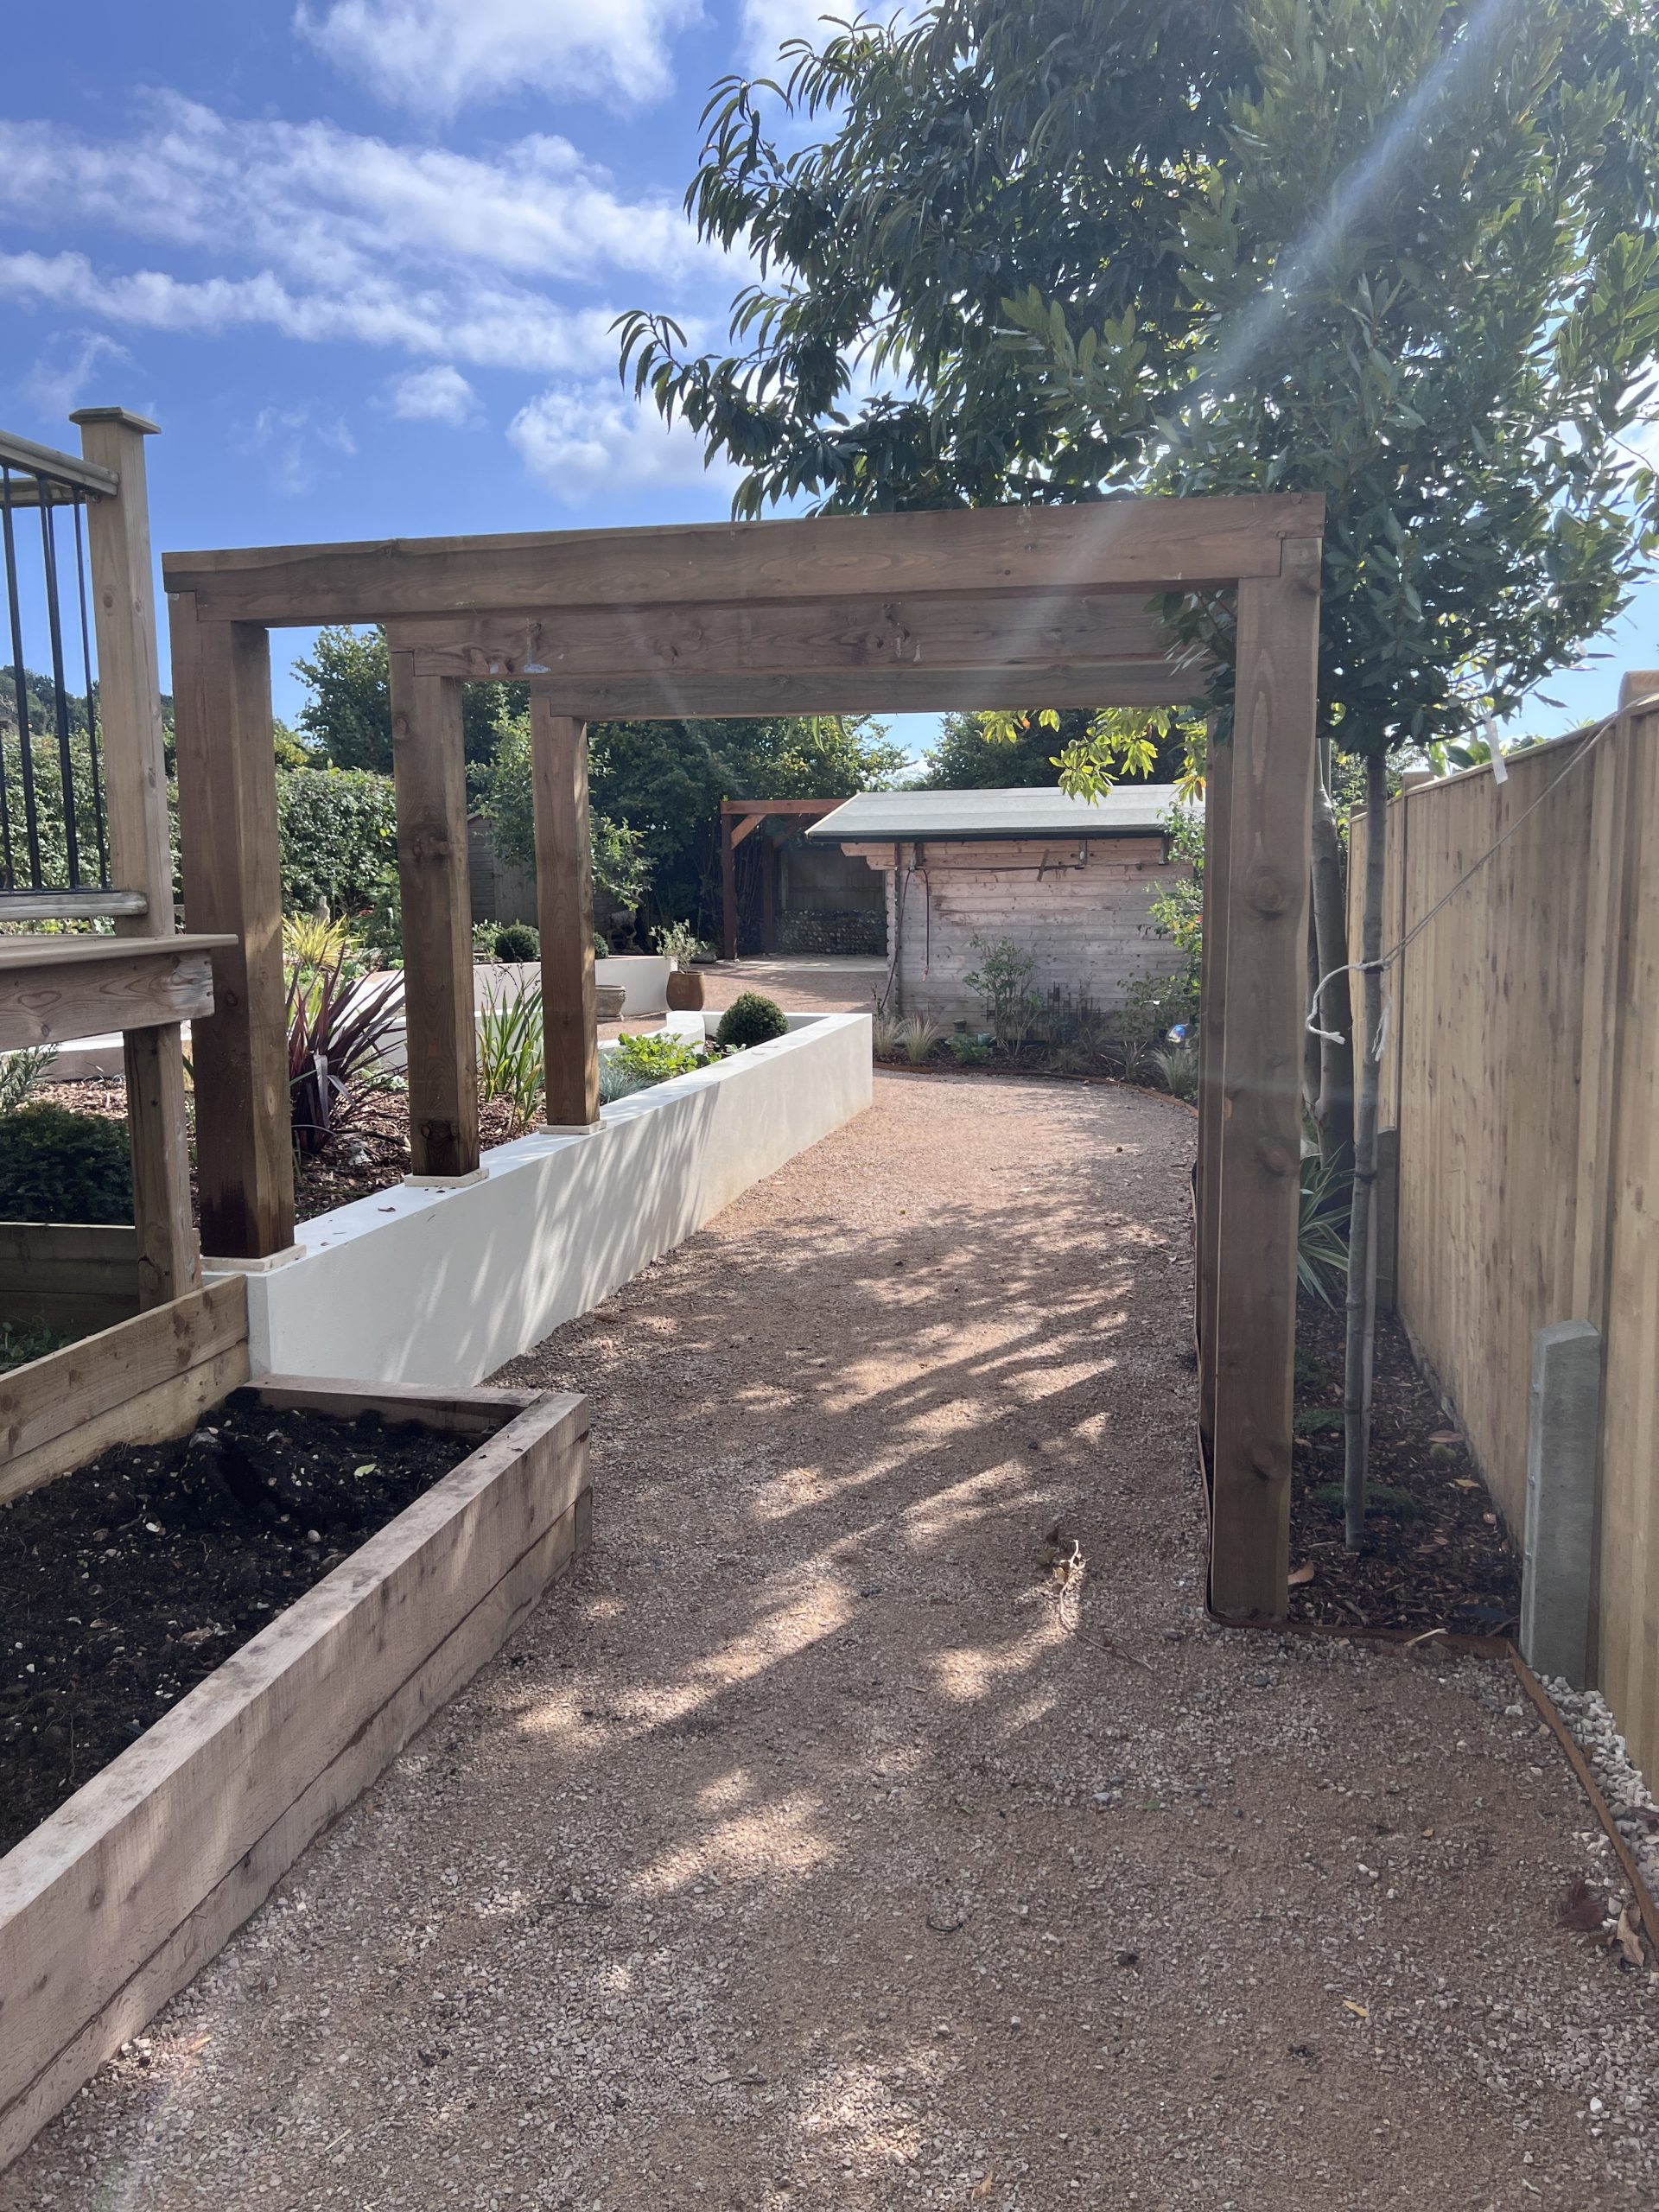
<point x="803" y="1852"/>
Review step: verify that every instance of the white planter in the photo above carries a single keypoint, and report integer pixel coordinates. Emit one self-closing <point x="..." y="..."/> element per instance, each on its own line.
<point x="442" y="1286"/>
<point x="643" y="975"/>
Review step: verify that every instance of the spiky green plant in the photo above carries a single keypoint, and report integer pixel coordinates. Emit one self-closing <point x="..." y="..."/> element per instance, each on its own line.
<point x="1321" y="1248"/>
<point x="920" y="1038"/>
<point x="511" y="1052"/>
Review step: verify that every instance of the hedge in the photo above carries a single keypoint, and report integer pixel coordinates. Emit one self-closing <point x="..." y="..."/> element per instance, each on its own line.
<point x="340" y="838"/>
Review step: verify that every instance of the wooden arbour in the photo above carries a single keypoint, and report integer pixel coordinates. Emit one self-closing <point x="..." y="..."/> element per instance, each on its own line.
<point x="987" y="607"/>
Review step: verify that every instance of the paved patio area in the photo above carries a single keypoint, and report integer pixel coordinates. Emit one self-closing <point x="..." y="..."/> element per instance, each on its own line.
<point x="814" y="1848"/>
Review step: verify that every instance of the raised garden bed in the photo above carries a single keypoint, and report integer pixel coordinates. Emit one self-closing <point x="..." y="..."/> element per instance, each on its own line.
<point x="116" y="1899"/>
<point x="1437" y="1554"/>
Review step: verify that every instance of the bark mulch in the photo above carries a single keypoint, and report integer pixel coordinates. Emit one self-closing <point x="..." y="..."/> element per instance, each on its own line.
<point x="123" y="1585"/>
<point x="1437" y="1554"/>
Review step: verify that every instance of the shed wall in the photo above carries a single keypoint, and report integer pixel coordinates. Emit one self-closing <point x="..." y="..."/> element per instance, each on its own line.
<point x="1082" y="911"/>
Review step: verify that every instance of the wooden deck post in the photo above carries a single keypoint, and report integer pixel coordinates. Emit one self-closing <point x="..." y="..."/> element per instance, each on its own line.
<point x="1212" y="1029"/>
<point x="141" y="853"/>
<point x="728" y="887"/>
<point x="430" y="771"/>
<point x="1270" y="807"/>
<point x="232" y="881"/>
<point x="564" y="902"/>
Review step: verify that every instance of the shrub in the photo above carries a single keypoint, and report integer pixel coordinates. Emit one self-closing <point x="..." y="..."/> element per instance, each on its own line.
<point x="59" y="1166"/>
<point x="517" y="941"/>
<point x="655" y="1058"/>
<point x="750" y="1020"/>
<point x="967" y="1050"/>
<point x="23" y="1341"/>
<point x="637" y="1063"/>
<point x="1003" y="981"/>
<point x="678" y="941"/>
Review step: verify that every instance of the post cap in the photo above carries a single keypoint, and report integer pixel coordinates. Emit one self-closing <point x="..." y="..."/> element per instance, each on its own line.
<point x="141" y="422"/>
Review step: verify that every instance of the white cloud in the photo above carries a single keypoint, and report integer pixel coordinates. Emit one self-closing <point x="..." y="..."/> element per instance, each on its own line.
<point x="440" y="395"/>
<point x="59" y="379"/>
<point x="581" y="440"/>
<point x="295" y="444"/>
<point x="334" y="235"/>
<point x="436" y="56"/>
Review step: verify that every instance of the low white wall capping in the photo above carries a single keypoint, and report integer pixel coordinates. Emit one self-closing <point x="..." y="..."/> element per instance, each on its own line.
<point x="441" y="1287"/>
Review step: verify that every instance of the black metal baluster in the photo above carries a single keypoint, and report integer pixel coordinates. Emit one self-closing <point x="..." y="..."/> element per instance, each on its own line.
<point x="31" y="826"/>
<point x="60" y="688"/>
<point x="6" y="866"/>
<point x="91" y="704"/>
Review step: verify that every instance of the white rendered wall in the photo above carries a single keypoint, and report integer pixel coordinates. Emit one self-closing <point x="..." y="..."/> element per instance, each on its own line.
<point x="441" y="1287"/>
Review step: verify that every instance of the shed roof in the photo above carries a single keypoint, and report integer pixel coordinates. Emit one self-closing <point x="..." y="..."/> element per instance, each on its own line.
<point x="1126" y="810"/>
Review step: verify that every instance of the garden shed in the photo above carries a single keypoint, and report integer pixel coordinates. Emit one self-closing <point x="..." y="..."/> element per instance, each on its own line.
<point x="1070" y="881"/>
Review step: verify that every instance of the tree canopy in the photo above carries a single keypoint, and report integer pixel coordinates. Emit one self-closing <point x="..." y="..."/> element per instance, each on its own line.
<point x="1051" y="249"/>
<point x="994" y="751"/>
<point x="656" y="786"/>
<point x="347" y="720"/>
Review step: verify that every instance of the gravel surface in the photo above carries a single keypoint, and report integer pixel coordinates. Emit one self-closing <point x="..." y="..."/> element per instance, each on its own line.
<point x="1624" y="1786"/>
<point x="815" y="1848"/>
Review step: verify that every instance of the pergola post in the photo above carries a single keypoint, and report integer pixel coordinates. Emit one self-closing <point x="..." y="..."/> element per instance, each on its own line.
<point x="564" y="903"/>
<point x="232" y="882"/>
<point x="429" y="775"/>
<point x="141" y="853"/>
<point x="1212" y="1029"/>
<point x="727" y="886"/>
<point x="1269" y="842"/>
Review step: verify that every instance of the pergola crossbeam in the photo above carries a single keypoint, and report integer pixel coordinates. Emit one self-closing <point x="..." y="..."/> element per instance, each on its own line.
<point x="1140" y="545"/>
<point x="991" y="631"/>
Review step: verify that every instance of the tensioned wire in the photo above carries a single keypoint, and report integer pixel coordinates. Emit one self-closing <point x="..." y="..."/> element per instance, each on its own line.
<point x="1380" y="965"/>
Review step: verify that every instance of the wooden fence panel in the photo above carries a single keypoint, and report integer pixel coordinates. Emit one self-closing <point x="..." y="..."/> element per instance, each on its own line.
<point x="1526" y="1067"/>
<point x="1627" y="1657"/>
<point x="1483" y="1067"/>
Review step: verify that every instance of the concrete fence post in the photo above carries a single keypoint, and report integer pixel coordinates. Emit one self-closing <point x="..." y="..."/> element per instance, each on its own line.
<point x="1562" y="1474"/>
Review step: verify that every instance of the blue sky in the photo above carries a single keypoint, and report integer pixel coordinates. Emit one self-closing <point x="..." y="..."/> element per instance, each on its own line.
<point x="360" y="259"/>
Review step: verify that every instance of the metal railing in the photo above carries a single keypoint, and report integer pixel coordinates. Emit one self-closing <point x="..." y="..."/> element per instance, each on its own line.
<point x="53" y="833"/>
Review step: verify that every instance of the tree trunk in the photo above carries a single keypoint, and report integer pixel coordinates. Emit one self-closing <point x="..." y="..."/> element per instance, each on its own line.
<point x="1362" y="1254"/>
<point x="1333" y="1114"/>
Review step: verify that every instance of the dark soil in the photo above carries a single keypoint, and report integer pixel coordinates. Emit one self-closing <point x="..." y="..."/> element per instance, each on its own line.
<point x="1437" y="1554"/>
<point x="123" y="1584"/>
<point x="367" y="1150"/>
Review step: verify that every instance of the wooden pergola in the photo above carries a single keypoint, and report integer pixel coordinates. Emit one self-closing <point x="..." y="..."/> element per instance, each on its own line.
<point x="988" y="607"/>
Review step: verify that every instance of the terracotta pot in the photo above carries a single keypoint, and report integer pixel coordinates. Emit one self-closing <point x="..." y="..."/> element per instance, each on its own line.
<point x="610" y="997"/>
<point x="684" y="991"/>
